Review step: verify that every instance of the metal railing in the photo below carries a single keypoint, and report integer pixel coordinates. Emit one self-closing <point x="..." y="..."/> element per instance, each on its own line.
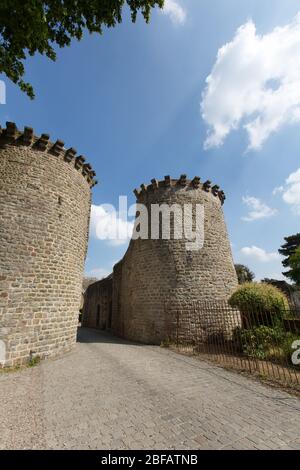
<point x="263" y="342"/>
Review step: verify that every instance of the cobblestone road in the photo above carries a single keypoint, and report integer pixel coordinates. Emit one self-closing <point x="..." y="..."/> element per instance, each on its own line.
<point x="109" y="393"/>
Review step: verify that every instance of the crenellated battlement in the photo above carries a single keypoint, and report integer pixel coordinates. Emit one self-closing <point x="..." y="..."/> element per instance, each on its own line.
<point x="45" y="203"/>
<point x="11" y="135"/>
<point x="180" y="183"/>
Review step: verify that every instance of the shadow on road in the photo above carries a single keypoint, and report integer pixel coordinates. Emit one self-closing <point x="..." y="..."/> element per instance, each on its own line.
<point x="90" y="335"/>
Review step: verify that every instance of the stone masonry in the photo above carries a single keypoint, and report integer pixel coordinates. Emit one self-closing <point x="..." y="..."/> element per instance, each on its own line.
<point x="98" y="304"/>
<point x="45" y="193"/>
<point x="155" y="272"/>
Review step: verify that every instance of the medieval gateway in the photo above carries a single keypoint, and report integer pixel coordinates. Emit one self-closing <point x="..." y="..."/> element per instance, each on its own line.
<point x="154" y="273"/>
<point x="45" y="199"/>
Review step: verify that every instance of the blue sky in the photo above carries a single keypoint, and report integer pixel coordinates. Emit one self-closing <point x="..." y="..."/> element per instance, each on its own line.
<point x="130" y="102"/>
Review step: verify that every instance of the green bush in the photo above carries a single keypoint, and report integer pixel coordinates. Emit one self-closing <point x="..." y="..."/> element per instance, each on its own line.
<point x="263" y="342"/>
<point x="34" y="361"/>
<point x="259" y="303"/>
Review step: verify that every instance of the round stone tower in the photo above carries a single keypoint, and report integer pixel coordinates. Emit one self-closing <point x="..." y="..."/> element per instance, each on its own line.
<point x="158" y="269"/>
<point x="45" y="194"/>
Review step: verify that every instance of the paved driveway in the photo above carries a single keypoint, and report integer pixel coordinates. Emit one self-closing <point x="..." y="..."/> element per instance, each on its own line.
<point x="109" y="393"/>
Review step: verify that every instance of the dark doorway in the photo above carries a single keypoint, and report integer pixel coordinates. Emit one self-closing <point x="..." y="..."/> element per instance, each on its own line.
<point x="109" y="315"/>
<point x="98" y="316"/>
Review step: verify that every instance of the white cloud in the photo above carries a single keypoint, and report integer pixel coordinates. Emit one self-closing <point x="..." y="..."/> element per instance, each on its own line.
<point x="291" y="191"/>
<point x="291" y="194"/>
<point x="258" y="209"/>
<point x="105" y="224"/>
<point x="259" y="254"/>
<point x="254" y="84"/>
<point x="277" y="190"/>
<point x="175" y="11"/>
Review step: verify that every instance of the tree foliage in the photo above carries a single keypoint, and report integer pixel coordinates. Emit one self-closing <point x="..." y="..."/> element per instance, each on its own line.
<point x="295" y="266"/>
<point x="244" y="274"/>
<point x="259" y="296"/>
<point x="31" y="26"/>
<point x="290" y="249"/>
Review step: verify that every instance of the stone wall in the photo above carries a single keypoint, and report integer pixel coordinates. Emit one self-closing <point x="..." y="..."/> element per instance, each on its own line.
<point x="97" y="310"/>
<point x="117" y="317"/>
<point x="197" y="322"/>
<point x="154" y="272"/>
<point x="45" y="193"/>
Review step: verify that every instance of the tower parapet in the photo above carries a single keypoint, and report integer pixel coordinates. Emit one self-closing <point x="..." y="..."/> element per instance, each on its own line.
<point x="156" y="271"/>
<point x="177" y="184"/>
<point x="11" y="135"/>
<point x="45" y="196"/>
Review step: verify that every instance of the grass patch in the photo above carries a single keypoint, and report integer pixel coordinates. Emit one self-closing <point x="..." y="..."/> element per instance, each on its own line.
<point x="32" y="362"/>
